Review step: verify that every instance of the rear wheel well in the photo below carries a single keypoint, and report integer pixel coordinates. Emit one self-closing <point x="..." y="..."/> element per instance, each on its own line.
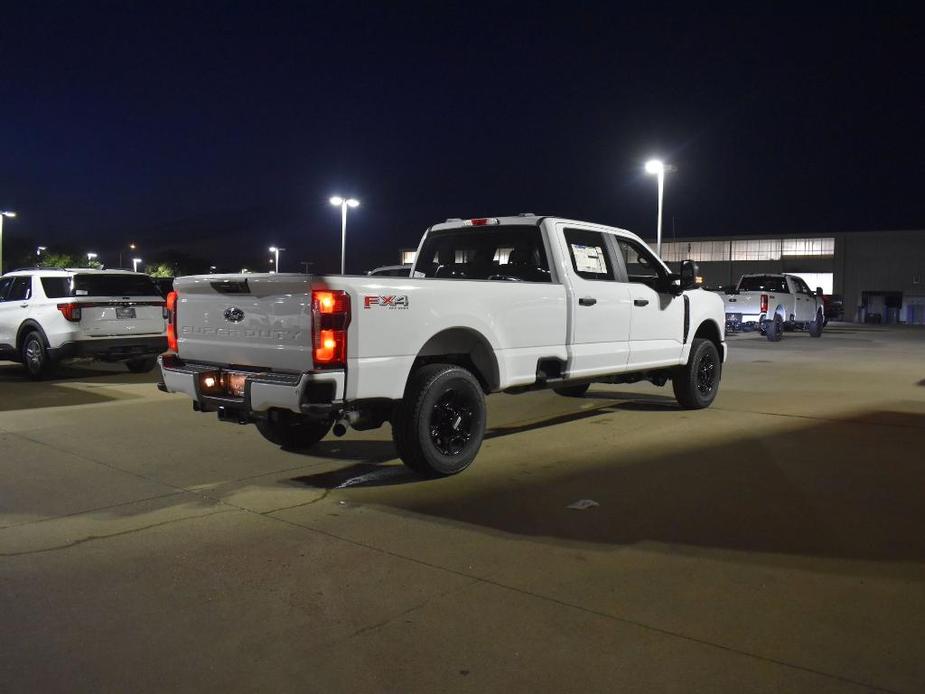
<point x="27" y="327"/>
<point x="463" y="347"/>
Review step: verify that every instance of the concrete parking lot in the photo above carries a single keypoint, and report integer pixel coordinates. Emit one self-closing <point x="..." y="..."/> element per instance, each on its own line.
<point x="775" y="542"/>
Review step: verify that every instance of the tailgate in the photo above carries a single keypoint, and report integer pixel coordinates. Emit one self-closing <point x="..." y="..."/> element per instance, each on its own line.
<point x="745" y="303"/>
<point x="257" y="321"/>
<point x="142" y="315"/>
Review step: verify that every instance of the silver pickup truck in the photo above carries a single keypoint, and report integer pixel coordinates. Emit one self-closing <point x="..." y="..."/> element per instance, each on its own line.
<point x="773" y="303"/>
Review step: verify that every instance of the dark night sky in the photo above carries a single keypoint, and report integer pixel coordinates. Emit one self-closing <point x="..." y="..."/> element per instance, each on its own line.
<point x="226" y="126"/>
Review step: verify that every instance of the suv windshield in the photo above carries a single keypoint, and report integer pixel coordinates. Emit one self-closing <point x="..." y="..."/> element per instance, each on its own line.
<point x="764" y="283"/>
<point x="513" y="252"/>
<point x="113" y="285"/>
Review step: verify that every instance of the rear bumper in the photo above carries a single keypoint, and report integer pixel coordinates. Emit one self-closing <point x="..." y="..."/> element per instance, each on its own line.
<point x="316" y="394"/>
<point x="111" y="349"/>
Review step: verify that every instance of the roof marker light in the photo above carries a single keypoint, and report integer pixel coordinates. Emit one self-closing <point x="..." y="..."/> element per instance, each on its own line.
<point x="481" y="221"/>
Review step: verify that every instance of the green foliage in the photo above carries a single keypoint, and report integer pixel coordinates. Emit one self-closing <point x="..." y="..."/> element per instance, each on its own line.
<point x="61" y="260"/>
<point x="160" y="270"/>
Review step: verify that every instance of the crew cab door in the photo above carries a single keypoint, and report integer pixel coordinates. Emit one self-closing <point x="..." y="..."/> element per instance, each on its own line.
<point x="599" y="306"/>
<point x="804" y="300"/>
<point x="657" y="326"/>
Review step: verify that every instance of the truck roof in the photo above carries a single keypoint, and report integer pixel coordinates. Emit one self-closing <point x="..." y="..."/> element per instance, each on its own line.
<point x="525" y="219"/>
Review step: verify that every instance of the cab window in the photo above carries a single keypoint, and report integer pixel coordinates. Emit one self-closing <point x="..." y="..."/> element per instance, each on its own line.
<point x="588" y="251"/>
<point x="5" y="285"/>
<point x="641" y="264"/>
<point x="513" y="253"/>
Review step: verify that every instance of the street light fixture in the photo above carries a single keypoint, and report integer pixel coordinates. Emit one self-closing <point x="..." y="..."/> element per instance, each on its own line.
<point x="3" y="213"/>
<point x="343" y="203"/>
<point x="658" y="168"/>
<point x="39" y="249"/>
<point x="135" y="263"/>
<point x="276" y="250"/>
<point x="90" y="258"/>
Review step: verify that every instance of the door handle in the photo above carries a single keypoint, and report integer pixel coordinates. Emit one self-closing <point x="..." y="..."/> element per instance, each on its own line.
<point x="587" y="301"/>
<point x="24" y="306"/>
<point x="640" y="302"/>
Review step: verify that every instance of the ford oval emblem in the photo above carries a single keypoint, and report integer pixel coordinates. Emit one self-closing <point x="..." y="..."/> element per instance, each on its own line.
<point x="233" y="314"/>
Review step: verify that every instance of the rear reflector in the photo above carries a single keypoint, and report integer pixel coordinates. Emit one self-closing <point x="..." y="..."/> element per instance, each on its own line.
<point x="172" y="321"/>
<point x="330" y="317"/>
<point x="71" y="311"/>
<point x="481" y="221"/>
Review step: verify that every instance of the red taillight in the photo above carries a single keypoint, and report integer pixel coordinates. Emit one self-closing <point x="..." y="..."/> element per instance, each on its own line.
<point x="764" y="303"/>
<point x="172" y="321"/>
<point x="71" y="311"/>
<point x="330" y="317"/>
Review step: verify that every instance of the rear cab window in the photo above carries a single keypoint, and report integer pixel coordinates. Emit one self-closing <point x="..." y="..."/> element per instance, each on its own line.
<point x="764" y="283"/>
<point x="113" y="285"/>
<point x="511" y="252"/>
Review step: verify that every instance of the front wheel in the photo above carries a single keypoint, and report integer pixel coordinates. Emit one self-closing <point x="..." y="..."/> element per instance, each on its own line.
<point x="815" y="328"/>
<point x="439" y="425"/>
<point x="697" y="382"/>
<point x="291" y="430"/>
<point x="141" y="366"/>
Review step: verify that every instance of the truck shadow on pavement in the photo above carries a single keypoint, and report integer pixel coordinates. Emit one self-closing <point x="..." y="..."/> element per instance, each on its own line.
<point x="848" y="489"/>
<point x="374" y="453"/>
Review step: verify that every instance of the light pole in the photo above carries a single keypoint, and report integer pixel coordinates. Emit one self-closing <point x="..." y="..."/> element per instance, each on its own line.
<point x="659" y="168"/>
<point x="90" y="258"/>
<point x="135" y="263"/>
<point x="276" y="250"/>
<point x="3" y="213"/>
<point x="343" y="203"/>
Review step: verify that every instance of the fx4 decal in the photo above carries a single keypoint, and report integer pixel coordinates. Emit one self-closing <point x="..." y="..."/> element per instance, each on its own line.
<point x="390" y="302"/>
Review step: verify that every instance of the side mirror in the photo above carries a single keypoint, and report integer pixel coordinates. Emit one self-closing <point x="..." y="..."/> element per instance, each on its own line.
<point x="819" y="291"/>
<point x="689" y="273"/>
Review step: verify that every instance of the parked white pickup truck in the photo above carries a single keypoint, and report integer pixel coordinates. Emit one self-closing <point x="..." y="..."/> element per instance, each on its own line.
<point x="773" y="303"/>
<point x="493" y="304"/>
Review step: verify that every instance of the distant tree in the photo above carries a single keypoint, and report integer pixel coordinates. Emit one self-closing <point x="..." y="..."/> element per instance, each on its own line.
<point x="49" y="259"/>
<point x="160" y="270"/>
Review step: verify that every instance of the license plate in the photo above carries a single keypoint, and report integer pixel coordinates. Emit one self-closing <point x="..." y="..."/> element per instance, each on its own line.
<point x="125" y="312"/>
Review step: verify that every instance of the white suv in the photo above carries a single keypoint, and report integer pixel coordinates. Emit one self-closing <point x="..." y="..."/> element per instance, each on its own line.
<point x="50" y="315"/>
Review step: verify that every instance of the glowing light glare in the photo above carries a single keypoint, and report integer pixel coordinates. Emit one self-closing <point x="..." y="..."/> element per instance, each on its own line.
<point x="272" y="249"/>
<point x="209" y="381"/>
<point x="353" y="203"/>
<point x="91" y="256"/>
<point x="337" y="201"/>
<point x="330" y="343"/>
<point x="655" y="166"/>
<point x="7" y="213"/>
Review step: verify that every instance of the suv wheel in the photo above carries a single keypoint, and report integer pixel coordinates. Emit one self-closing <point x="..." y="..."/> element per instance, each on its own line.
<point x="141" y="366"/>
<point x="696" y="383"/>
<point x="35" y="357"/>
<point x="439" y="425"/>
<point x="291" y="430"/>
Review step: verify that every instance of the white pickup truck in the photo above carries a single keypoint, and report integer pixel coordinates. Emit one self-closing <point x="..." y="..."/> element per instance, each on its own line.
<point x="773" y="303"/>
<point x="493" y="304"/>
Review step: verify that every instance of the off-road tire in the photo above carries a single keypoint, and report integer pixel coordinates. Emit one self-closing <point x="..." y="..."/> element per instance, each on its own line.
<point x="35" y="358"/>
<point x="696" y="383"/>
<point x="291" y="430"/>
<point x="439" y="425"/>
<point x="815" y="327"/>
<point x="572" y="391"/>
<point x="141" y="366"/>
<point x="774" y="329"/>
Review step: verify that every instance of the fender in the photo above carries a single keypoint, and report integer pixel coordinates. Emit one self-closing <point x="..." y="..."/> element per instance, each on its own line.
<point x="27" y="326"/>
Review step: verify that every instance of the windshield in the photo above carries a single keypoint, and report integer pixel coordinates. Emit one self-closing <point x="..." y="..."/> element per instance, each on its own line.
<point x="505" y="253"/>
<point x="763" y="283"/>
<point x="113" y="285"/>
